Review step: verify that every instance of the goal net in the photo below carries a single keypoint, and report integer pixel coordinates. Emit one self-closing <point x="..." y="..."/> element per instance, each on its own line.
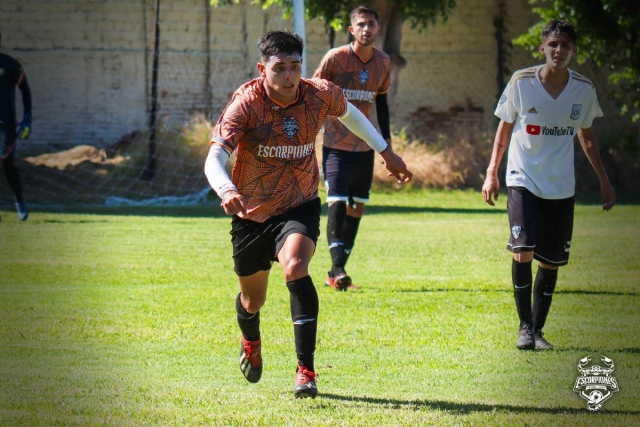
<point x="95" y="68"/>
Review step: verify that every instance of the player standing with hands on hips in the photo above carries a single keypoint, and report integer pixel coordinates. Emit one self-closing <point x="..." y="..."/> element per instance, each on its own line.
<point x="271" y="124"/>
<point x="12" y="75"/>
<point x="541" y="110"/>
<point x="364" y="73"/>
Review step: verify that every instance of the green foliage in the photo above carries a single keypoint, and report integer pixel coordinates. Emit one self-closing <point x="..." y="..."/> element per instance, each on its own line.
<point x="608" y="36"/>
<point x="335" y="13"/>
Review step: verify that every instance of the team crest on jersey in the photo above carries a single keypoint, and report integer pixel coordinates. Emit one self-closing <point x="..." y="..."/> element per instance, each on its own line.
<point x="290" y="126"/>
<point x="515" y="231"/>
<point x="575" y="111"/>
<point x="503" y="99"/>
<point x="364" y="76"/>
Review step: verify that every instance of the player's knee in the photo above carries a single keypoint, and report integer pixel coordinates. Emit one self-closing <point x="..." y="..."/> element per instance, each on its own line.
<point x="547" y="266"/>
<point x="357" y="211"/>
<point x="252" y="303"/>
<point x="523" y="256"/>
<point x="295" y="268"/>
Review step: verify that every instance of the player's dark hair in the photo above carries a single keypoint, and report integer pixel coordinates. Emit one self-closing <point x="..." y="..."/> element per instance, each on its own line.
<point x="556" y="27"/>
<point x="280" y="42"/>
<point x="362" y="9"/>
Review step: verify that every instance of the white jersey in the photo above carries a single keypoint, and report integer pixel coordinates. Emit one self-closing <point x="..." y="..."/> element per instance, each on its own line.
<point x="541" y="148"/>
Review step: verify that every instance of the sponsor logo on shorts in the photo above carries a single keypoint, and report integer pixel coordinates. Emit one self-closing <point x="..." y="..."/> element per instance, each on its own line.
<point x="596" y="384"/>
<point x="515" y="231"/>
<point x="290" y="126"/>
<point x="550" y="131"/>
<point x="575" y="111"/>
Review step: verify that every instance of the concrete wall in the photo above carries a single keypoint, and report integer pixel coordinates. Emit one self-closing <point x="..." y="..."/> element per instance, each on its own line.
<point x="89" y="63"/>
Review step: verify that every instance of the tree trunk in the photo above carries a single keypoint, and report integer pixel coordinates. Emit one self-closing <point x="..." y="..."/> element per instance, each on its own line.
<point x="390" y="38"/>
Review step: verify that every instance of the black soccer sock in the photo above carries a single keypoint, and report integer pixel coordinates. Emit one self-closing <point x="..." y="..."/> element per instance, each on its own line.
<point x="304" y="313"/>
<point x="522" y="277"/>
<point x="249" y="323"/>
<point x="13" y="178"/>
<point x="543" y="289"/>
<point x="335" y="220"/>
<point x="349" y="232"/>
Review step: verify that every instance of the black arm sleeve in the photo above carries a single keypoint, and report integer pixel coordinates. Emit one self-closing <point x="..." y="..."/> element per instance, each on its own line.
<point x="26" y="94"/>
<point x="382" y="111"/>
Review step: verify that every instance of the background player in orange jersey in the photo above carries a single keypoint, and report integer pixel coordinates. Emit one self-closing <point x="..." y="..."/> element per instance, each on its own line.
<point x="364" y="74"/>
<point x="271" y="124"/>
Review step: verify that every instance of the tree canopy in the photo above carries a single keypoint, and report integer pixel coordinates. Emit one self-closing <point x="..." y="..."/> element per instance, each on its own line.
<point x="608" y="38"/>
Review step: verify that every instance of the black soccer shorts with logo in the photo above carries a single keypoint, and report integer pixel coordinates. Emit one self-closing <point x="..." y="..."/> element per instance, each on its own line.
<point x="257" y="244"/>
<point x="541" y="226"/>
<point x="348" y="175"/>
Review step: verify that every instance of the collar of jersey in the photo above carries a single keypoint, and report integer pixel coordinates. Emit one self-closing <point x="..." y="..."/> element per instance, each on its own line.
<point x="276" y="102"/>
<point x="364" y="61"/>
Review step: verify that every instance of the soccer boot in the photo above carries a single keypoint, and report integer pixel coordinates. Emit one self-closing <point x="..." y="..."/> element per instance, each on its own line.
<point x="342" y="282"/>
<point x="541" y="343"/>
<point x="251" y="360"/>
<point x="305" y="384"/>
<point x="23" y="213"/>
<point x="526" y="340"/>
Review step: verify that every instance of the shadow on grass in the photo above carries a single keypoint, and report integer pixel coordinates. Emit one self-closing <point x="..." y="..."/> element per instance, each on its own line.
<point x="463" y="408"/>
<point x="588" y="350"/>
<point x="509" y="290"/>
<point x="377" y="210"/>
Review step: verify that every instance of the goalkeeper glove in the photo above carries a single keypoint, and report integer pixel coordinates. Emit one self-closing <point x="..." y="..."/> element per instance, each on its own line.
<point x="24" y="128"/>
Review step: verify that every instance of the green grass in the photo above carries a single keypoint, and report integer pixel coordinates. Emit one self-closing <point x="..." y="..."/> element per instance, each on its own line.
<point x="109" y="319"/>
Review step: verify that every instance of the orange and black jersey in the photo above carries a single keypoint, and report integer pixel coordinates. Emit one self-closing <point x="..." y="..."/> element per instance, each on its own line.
<point x="362" y="81"/>
<point x="276" y="167"/>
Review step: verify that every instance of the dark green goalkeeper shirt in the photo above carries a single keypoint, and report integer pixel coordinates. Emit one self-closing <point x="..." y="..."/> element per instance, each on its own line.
<point x="10" y="76"/>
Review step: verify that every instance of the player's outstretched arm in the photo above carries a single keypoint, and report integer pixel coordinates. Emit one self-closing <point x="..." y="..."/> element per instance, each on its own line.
<point x="491" y="186"/>
<point x="588" y="141"/>
<point x="214" y="168"/>
<point x="357" y="123"/>
<point x="24" y="128"/>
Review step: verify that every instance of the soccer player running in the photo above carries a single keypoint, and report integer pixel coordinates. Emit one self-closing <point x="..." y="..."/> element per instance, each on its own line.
<point x="541" y="110"/>
<point x="364" y="73"/>
<point x="12" y="75"/>
<point x="271" y="124"/>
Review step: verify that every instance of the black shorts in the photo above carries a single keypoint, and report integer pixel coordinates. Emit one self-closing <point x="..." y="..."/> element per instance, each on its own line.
<point x="256" y="244"/>
<point x="8" y="141"/>
<point x="541" y="226"/>
<point x="347" y="175"/>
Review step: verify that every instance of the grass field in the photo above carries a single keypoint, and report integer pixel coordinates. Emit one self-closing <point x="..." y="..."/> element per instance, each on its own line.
<point x="109" y="319"/>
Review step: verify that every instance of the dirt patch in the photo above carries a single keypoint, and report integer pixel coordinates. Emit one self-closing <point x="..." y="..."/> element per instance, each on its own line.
<point x="75" y="156"/>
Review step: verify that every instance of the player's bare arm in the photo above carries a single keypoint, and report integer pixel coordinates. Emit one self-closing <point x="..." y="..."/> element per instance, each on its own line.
<point x="491" y="187"/>
<point x="357" y="123"/>
<point x="396" y="166"/>
<point x="588" y="141"/>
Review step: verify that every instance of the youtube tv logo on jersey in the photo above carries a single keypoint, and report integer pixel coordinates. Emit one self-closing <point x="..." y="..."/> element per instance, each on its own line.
<point x="533" y="129"/>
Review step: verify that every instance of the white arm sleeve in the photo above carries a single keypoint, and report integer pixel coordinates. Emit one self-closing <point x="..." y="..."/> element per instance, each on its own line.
<point x="214" y="169"/>
<point x="362" y="128"/>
